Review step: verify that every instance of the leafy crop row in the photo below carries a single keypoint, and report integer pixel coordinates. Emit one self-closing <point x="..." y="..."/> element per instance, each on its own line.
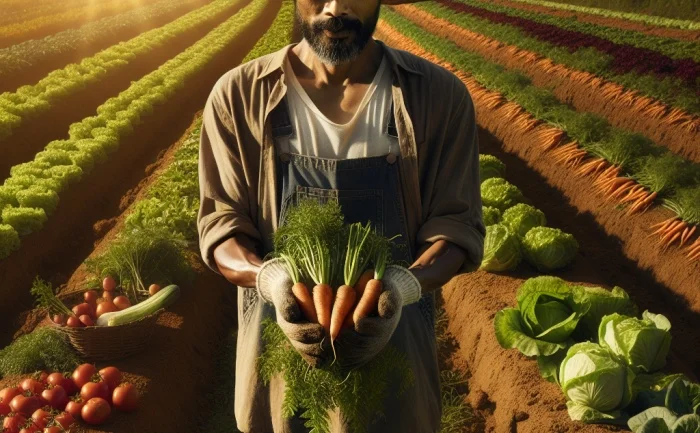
<point x="32" y="191"/>
<point x="631" y="16"/>
<point x="668" y="175"/>
<point x="625" y="58"/>
<point x="669" y="90"/>
<point x="19" y="57"/>
<point x="687" y="10"/>
<point x="18" y="10"/>
<point x="31" y="100"/>
<point x="17" y="31"/>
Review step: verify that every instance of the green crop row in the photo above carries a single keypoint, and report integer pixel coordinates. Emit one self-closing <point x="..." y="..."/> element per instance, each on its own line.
<point x="669" y="90"/>
<point x="673" y="178"/>
<point x="685" y="9"/>
<point x="16" y="58"/>
<point x="31" y="100"/>
<point x="32" y="190"/>
<point x="674" y="48"/>
<point x="631" y="16"/>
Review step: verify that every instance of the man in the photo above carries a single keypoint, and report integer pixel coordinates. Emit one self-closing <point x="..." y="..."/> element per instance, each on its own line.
<point x="389" y="135"/>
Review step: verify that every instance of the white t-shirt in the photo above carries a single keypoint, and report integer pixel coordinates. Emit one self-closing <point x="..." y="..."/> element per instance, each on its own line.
<point x="363" y="136"/>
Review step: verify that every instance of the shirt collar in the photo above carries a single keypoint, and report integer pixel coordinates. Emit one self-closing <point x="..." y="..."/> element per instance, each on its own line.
<point x="395" y="60"/>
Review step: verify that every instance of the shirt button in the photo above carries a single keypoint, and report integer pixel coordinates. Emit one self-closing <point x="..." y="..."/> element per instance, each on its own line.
<point x="391" y="158"/>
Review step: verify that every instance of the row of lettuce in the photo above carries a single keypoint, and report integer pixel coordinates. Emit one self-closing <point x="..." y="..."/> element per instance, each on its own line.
<point x="20" y="57"/>
<point x="607" y="12"/>
<point x="606" y="60"/>
<point x="73" y="17"/>
<point x="674" y="180"/>
<point x="607" y="359"/>
<point x="32" y="191"/>
<point x="32" y="100"/>
<point x="651" y="8"/>
<point x="516" y="229"/>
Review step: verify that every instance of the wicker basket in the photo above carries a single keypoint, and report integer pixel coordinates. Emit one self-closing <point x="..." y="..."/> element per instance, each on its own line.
<point x="106" y="343"/>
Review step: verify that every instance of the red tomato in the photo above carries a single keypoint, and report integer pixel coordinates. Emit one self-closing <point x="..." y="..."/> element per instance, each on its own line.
<point x="153" y="289"/>
<point x="111" y="376"/>
<point x="83" y="374"/>
<point x="56" y="396"/>
<point x="41" y="417"/>
<point x="13" y="423"/>
<point x="42" y="376"/>
<point x="96" y="411"/>
<point x="108" y="284"/>
<point x="59" y="319"/>
<point x="87" y="320"/>
<point x="33" y="386"/>
<point x="91" y="297"/>
<point x="61" y="379"/>
<point x="107" y="296"/>
<point x="33" y="428"/>
<point x="4" y="409"/>
<point x="65" y="419"/>
<point x="26" y="405"/>
<point x="74" y="322"/>
<point x="53" y="429"/>
<point x="92" y="390"/>
<point x="122" y="302"/>
<point x="74" y="407"/>
<point x="83" y="308"/>
<point x="125" y="398"/>
<point x="7" y="394"/>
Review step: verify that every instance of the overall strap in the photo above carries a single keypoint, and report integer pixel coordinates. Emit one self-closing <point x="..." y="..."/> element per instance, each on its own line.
<point x="279" y="117"/>
<point x="391" y="126"/>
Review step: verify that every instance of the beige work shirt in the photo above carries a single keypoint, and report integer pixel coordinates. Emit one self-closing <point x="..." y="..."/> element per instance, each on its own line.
<point x="439" y="164"/>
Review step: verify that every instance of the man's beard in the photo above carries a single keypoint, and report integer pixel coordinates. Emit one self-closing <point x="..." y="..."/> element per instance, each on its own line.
<point x="334" y="51"/>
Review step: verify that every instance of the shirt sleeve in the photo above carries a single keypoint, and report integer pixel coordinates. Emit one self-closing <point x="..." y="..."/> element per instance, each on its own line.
<point x="454" y="212"/>
<point x="224" y="199"/>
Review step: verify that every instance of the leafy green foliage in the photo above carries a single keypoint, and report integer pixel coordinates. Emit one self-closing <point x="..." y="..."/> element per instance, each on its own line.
<point x="499" y="193"/>
<point x="549" y="248"/>
<point x="46" y="298"/>
<point x="9" y="240"/>
<point x="312" y="392"/>
<point x="24" y="219"/>
<point x="42" y="349"/>
<point x="641" y="344"/>
<point x="140" y="257"/>
<point x="522" y="217"/>
<point x="677" y="408"/>
<point x="502" y="251"/>
<point x="490" y="215"/>
<point x="490" y="166"/>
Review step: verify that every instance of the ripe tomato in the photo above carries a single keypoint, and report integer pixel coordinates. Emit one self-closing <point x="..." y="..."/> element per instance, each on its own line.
<point x="74" y="407"/>
<point x="74" y="322"/>
<point x="41" y="376"/>
<point x="92" y="390"/>
<point x="87" y="320"/>
<point x="26" y="405"/>
<point x="41" y="417"/>
<point x="83" y="308"/>
<point x="91" y="297"/>
<point x="53" y="429"/>
<point x="111" y="376"/>
<point x="33" y="428"/>
<point x="32" y="385"/>
<point x="65" y="419"/>
<point x="96" y="411"/>
<point x="4" y="409"/>
<point x="122" y="302"/>
<point x="125" y="398"/>
<point x="13" y="423"/>
<point x="7" y="394"/>
<point x="153" y="289"/>
<point x="61" y="379"/>
<point x="83" y="374"/>
<point x="59" y="319"/>
<point x="107" y="306"/>
<point x="108" y="284"/>
<point x="56" y="396"/>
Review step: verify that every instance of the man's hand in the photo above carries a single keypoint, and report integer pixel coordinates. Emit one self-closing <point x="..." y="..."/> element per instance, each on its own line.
<point x="437" y="263"/>
<point x="238" y="260"/>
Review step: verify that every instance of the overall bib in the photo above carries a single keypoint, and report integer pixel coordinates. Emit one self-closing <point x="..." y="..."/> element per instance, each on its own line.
<point x="367" y="189"/>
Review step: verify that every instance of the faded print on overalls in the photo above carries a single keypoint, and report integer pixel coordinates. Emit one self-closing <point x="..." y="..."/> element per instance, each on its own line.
<point x="367" y="189"/>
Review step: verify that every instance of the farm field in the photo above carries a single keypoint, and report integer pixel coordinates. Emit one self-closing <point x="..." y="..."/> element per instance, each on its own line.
<point x="588" y="122"/>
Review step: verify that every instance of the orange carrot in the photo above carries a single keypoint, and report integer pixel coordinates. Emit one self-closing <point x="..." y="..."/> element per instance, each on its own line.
<point x="344" y="301"/>
<point x="362" y="282"/>
<point x="323" y="301"/>
<point x="369" y="300"/>
<point x="305" y="301"/>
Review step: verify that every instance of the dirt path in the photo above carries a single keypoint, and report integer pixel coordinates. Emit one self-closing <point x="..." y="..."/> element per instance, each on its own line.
<point x="586" y="92"/>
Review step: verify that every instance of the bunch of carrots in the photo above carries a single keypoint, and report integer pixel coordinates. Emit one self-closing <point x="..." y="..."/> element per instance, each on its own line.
<point x="321" y="253"/>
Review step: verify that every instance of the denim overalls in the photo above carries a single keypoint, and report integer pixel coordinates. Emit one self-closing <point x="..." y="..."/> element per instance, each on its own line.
<point x="367" y="189"/>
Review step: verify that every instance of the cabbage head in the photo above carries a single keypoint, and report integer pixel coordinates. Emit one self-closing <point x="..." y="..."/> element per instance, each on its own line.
<point x="501" y="249"/>
<point x="642" y="344"/>
<point x="522" y="217"/>
<point x="490" y="166"/>
<point x="547" y="314"/>
<point x="597" y="386"/>
<point x="499" y="193"/>
<point x="603" y="302"/>
<point x="490" y="215"/>
<point x="548" y="248"/>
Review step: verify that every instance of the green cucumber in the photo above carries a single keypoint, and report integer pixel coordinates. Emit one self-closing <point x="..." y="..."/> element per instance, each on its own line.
<point x="164" y="298"/>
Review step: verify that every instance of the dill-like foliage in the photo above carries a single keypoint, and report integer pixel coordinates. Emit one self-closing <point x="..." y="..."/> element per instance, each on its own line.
<point x="42" y="349"/>
<point x="314" y="391"/>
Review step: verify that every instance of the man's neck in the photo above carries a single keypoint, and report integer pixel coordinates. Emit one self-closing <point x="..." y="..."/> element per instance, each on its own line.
<point x="362" y="70"/>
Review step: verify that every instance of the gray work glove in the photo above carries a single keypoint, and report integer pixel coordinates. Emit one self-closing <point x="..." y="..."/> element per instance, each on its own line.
<point x="275" y="286"/>
<point x="355" y="347"/>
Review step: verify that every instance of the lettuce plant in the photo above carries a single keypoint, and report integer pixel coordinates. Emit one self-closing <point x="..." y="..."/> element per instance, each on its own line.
<point x="522" y="217"/>
<point x="490" y="166"/>
<point x="490" y="215"/>
<point x="501" y="249"/>
<point x="548" y="248"/>
<point x="499" y="193"/>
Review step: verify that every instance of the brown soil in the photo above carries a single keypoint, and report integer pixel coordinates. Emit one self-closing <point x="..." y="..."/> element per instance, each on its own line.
<point x="647" y="29"/>
<point x="613" y="252"/>
<point x="33" y="134"/>
<point x="9" y="82"/>
<point x="67" y="238"/>
<point x="586" y="92"/>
